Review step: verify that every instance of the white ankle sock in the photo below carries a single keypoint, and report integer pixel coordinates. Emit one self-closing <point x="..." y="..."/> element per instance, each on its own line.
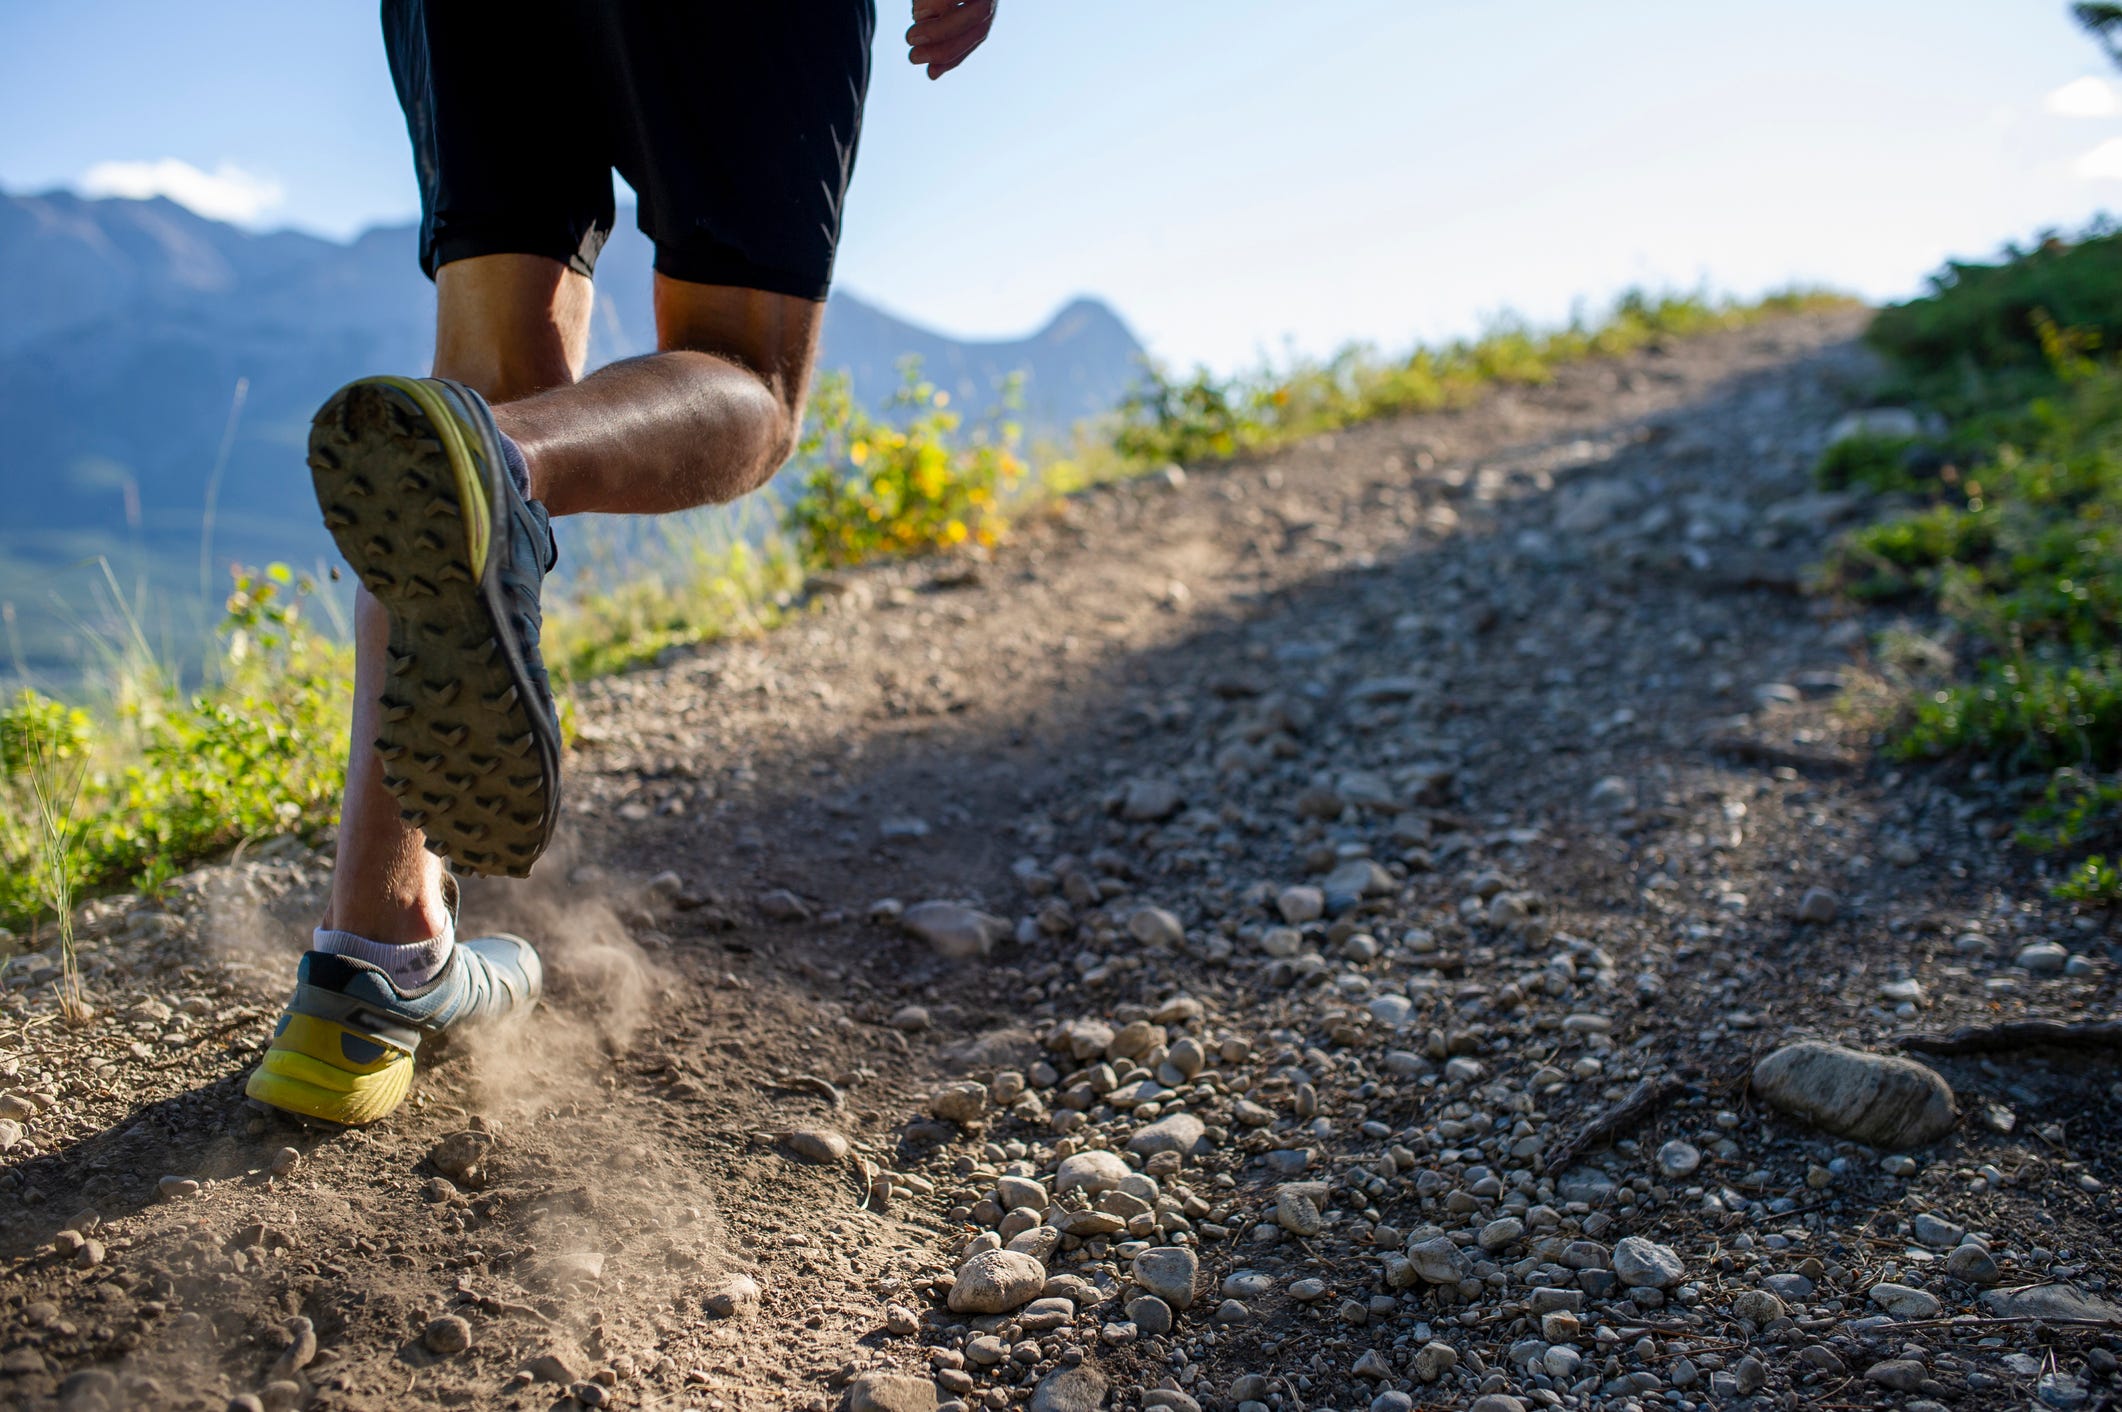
<point x="409" y="964"/>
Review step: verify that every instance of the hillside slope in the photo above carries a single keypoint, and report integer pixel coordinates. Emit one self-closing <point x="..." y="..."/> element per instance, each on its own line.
<point x="1367" y="824"/>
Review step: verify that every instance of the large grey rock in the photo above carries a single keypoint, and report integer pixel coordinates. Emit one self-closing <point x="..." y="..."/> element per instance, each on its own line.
<point x="995" y="1282"/>
<point x="954" y="930"/>
<point x="2051" y="1301"/>
<point x="1880" y="1099"/>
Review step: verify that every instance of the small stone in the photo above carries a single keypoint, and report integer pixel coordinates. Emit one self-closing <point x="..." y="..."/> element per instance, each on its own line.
<point x="1439" y="1261"/>
<point x="1232" y="1311"/>
<point x="1758" y="1306"/>
<point x="1937" y="1232"/>
<point x="1392" y="1400"/>
<point x="1308" y="1290"/>
<point x="1078" y="1389"/>
<point x="285" y="1161"/>
<point x="780" y="905"/>
<point x="959" y="1103"/>
<point x="1643" y="1263"/>
<point x="954" y="930"/>
<point x="995" y="1282"/>
<point x="550" y="1368"/>
<point x="1678" y="1159"/>
<point x="1496" y="1402"/>
<point x="1176" y="1133"/>
<point x="1883" y="1100"/>
<point x="1750" y="1375"/>
<point x="1818" y="906"/>
<point x="818" y="1145"/>
<point x="1154" y="926"/>
<point x="890" y="1392"/>
<point x="176" y="1188"/>
<point x="1900" y="1374"/>
<point x="900" y="1320"/>
<point x="1301" y="904"/>
<point x="1499" y="1235"/>
<point x="1093" y="1173"/>
<point x="1150" y="1314"/>
<point x="1973" y="1264"/>
<point x="446" y="1335"/>
<point x="1905" y="1302"/>
<point x="1150" y="800"/>
<point x="1169" y="1272"/>
<point x="246" y="1402"/>
<point x="2043" y="958"/>
<point x="910" y="1019"/>
<point x="1433" y="1360"/>
<point x="462" y="1157"/>
<point x="736" y="1298"/>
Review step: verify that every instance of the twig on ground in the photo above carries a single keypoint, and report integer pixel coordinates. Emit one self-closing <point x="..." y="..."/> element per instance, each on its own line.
<point x="1643" y="1100"/>
<point x="1767" y="752"/>
<point x="2017" y="1034"/>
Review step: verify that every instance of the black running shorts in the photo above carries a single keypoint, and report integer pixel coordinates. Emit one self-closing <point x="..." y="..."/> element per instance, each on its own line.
<point x="734" y="123"/>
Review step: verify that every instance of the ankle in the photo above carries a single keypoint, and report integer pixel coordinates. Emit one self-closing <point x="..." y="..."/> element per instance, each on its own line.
<point x="419" y="915"/>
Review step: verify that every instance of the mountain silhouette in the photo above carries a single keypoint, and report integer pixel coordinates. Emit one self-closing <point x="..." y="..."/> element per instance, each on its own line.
<point x="130" y="322"/>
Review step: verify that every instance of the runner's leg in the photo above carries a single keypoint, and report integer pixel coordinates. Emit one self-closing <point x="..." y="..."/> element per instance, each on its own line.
<point x="706" y="420"/>
<point x="509" y="326"/>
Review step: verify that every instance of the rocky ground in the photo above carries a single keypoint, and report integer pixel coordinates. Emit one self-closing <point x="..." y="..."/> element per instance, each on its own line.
<point x="1293" y="936"/>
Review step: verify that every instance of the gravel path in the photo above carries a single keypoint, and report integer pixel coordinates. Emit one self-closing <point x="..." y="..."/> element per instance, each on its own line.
<point x="1310" y="934"/>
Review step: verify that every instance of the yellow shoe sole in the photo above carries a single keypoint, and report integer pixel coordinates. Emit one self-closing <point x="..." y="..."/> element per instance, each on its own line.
<point x="319" y="1069"/>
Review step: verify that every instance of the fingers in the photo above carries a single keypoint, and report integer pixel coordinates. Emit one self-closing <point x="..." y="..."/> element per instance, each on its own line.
<point x="946" y="31"/>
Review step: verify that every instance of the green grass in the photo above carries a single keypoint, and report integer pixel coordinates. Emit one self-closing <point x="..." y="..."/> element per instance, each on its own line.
<point x="1200" y="417"/>
<point x="2019" y="542"/>
<point x="171" y="775"/>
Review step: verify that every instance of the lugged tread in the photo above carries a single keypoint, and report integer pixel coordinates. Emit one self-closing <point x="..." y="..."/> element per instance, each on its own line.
<point x="451" y="681"/>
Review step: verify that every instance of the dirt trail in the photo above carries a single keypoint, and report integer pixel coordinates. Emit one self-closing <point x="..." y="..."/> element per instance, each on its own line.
<point x="1528" y="692"/>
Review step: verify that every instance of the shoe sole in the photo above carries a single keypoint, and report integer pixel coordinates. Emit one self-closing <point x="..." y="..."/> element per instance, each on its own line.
<point x="323" y="1071"/>
<point x="409" y="504"/>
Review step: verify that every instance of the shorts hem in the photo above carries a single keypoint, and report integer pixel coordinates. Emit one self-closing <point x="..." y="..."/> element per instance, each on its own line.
<point x="578" y="253"/>
<point x="726" y="267"/>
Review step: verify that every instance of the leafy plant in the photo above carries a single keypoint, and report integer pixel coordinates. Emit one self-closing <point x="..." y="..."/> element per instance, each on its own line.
<point x="877" y="488"/>
<point x="2023" y="551"/>
<point x="174" y="777"/>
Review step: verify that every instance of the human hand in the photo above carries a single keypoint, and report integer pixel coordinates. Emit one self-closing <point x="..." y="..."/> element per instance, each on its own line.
<point x="946" y="31"/>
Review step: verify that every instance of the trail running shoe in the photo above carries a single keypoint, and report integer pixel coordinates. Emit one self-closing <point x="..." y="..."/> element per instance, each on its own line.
<point x="410" y="476"/>
<point x="343" y="1050"/>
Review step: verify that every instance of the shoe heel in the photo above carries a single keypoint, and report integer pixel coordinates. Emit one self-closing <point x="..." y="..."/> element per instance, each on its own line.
<point x="317" y="1068"/>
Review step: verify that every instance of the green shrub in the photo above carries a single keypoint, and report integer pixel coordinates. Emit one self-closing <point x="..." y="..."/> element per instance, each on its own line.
<point x="1875" y="463"/>
<point x="1975" y="339"/>
<point x="169" y="779"/>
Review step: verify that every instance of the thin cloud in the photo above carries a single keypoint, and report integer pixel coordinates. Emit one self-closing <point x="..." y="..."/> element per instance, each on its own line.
<point x="2103" y="163"/>
<point x="2088" y="97"/>
<point x="227" y="193"/>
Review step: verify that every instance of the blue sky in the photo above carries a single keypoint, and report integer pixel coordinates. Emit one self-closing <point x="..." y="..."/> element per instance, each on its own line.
<point x="1236" y="177"/>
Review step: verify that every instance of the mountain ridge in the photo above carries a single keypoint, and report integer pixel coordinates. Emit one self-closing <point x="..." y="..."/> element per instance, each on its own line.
<point x="132" y="321"/>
